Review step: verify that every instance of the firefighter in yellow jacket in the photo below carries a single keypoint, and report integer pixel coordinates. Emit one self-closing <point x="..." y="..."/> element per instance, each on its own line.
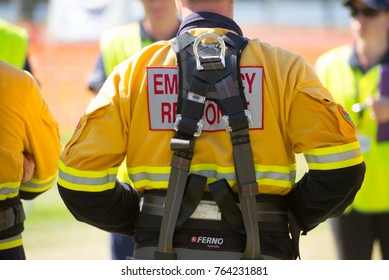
<point x="283" y="109"/>
<point x="29" y="153"/>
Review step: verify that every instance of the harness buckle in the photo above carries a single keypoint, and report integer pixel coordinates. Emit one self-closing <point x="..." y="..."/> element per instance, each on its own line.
<point x="200" y="125"/>
<point x="214" y="59"/>
<point x="226" y="120"/>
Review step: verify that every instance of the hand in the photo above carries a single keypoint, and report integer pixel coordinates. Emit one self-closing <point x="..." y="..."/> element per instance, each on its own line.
<point x="28" y="167"/>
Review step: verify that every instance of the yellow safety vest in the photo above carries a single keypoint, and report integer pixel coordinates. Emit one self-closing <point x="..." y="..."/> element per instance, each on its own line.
<point x="348" y="87"/>
<point x="119" y="43"/>
<point x="138" y="104"/>
<point x="13" y="44"/>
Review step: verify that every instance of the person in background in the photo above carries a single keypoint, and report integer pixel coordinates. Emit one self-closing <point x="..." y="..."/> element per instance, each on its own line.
<point x="14" y="45"/>
<point x="160" y="22"/>
<point x="357" y="75"/>
<point x="253" y="162"/>
<point x="29" y="152"/>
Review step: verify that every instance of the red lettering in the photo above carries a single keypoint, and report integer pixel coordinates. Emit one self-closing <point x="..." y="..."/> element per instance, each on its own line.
<point x="158" y="83"/>
<point x="250" y="81"/>
<point x="165" y="84"/>
<point x="212" y="113"/>
<point x="171" y="84"/>
<point x="167" y="114"/>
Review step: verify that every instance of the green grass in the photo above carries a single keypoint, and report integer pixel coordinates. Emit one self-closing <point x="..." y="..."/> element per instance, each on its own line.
<point x="52" y="233"/>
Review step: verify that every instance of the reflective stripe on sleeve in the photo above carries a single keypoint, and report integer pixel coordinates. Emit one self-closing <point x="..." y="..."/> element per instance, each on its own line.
<point x="12" y="242"/>
<point x="334" y="157"/>
<point x="9" y="190"/>
<point x="36" y="185"/>
<point x="87" y="181"/>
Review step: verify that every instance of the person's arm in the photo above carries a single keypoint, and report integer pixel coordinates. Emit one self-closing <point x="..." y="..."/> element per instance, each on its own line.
<point x="111" y="210"/>
<point x="322" y="194"/>
<point x="89" y="164"/>
<point x="42" y="144"/>
<point x="322" y="130"/>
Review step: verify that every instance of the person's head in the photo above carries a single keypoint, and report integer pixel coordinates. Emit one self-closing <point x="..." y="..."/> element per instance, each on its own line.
<point x="223" y="7"/>
<point x="369" y="18"/>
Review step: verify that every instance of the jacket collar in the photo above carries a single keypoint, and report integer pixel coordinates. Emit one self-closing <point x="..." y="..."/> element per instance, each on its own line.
<point x="208" y="20"/>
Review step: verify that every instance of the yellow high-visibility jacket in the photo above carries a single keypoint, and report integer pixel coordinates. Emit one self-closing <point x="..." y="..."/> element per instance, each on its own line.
<point x="26" y="127"/>
<point x="349" y="85"/>
<point x="14" y="44"/>
<point x="133" y="117"/>
<point x="119" y="43"/>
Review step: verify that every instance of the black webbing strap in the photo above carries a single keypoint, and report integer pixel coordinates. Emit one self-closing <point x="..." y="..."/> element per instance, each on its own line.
<point x="179" y="173"/>
<point x="237" y="120"/>
<point x="223" y="196"/>
<point x="248" y="189"/>
<point x="192" y="196"/>
<point x="188" y="126"/>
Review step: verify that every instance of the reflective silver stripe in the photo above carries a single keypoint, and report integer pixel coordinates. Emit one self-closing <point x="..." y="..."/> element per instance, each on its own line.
<point x="214" y="174"/>
<point x="329" y="158"/>
<point x="10" y="239"/>
<point x="109" y="178"/>
<point x="42" y="185"/>
<point x="8" y="191"/>
<point x="149" y="176"/>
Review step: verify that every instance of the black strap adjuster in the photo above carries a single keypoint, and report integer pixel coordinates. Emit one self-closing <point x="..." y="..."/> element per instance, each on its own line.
<point x="238" y="125"/>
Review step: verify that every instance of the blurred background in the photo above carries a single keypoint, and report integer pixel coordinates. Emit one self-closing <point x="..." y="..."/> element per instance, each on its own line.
<point x="63" y="50"/>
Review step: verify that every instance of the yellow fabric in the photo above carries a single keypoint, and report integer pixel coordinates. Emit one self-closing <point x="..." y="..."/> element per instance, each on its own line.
<point x="336" y="74"/>
<point x="26" y="126"/>
<point x="118" y="117"/>
<point x="14" y="44"/>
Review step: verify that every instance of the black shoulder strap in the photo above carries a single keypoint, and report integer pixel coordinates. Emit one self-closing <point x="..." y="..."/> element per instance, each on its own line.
<point x="209" y="70"/>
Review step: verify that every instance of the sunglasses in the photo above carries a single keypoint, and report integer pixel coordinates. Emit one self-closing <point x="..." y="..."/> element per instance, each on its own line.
<point x="366" y="12"/>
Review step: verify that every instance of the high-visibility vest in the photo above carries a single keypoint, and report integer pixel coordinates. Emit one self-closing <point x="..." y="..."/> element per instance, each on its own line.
<point x="120" y="43"/>
<point x="13" y="44"/>
<point x="350" y="85"/>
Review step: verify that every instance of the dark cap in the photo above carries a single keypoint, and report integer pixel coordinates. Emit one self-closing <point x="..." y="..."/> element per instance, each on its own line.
<point x="374" y="4"/>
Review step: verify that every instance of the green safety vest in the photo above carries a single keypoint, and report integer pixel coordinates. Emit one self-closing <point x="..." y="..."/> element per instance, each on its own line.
<point x="120" y="43"/>
<point x="13" y="44"/>
<point x="349" y="86"/>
